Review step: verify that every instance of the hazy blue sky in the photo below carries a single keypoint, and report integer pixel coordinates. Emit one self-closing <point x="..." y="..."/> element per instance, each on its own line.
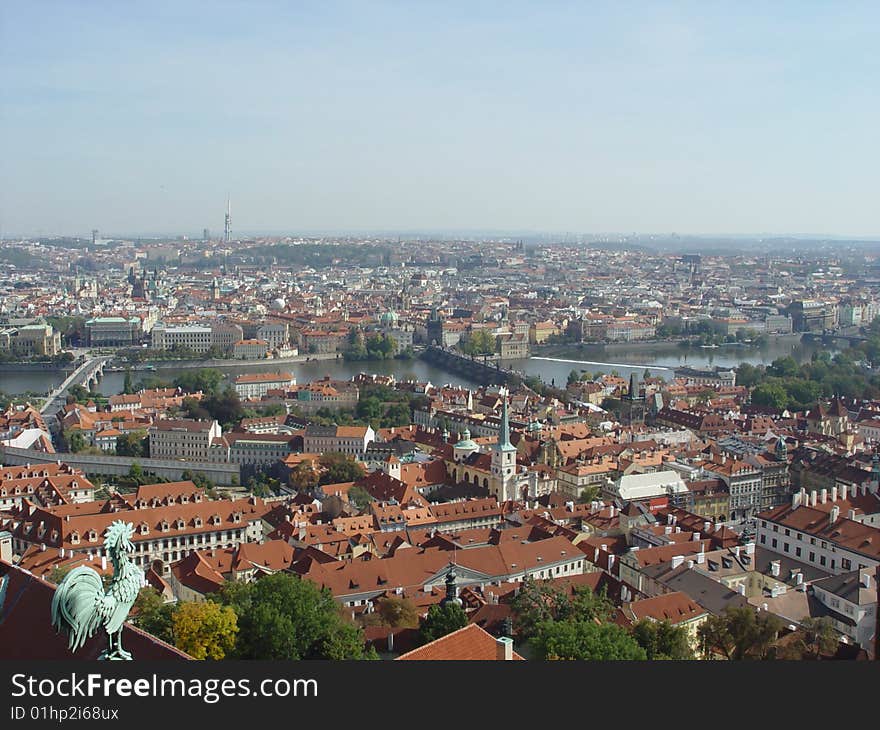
<point x="592" y="117"/>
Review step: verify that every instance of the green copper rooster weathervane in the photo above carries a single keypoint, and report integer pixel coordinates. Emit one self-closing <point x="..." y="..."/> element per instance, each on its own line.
<point x="81" y="604"/>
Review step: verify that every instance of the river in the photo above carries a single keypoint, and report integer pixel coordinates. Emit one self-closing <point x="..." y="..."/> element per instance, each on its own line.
<point x="551" y="364"/>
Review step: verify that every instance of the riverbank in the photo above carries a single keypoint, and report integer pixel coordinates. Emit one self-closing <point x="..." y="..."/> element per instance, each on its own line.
<point x="33" y="367"/>
<point x="651" y="345"/>
<point x="151" y="365"/>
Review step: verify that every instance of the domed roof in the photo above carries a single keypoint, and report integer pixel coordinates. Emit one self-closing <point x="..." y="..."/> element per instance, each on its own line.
<point x="535" y="426"/>
<point x="466" y="442"/>
<point x="389" y="317"/>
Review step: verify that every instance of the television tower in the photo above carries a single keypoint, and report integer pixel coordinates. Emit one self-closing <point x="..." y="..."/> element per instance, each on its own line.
<point x="228" y="224"/>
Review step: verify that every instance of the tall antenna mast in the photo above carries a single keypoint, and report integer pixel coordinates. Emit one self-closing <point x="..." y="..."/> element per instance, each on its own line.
<point x="227" y="228"/>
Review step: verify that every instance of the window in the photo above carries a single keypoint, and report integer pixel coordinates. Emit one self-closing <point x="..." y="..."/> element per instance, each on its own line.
<point x="812" y="557"/>
<point x="763" y="539"/>
<point x="821" y="560"/>
<point x="797" y="552"/>
<point x="785" y="547"/>
<point x="774" y="542"/>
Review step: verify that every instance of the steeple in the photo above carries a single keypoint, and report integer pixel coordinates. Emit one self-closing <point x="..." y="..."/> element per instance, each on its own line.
<point x="504" y="437"/>
<point x="781" y="448"/>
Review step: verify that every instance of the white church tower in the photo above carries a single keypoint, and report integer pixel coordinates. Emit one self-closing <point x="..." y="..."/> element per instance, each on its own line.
<point x="503" y="482"/>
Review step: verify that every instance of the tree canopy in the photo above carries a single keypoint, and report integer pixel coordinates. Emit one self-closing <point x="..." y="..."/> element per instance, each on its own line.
<point x="442" y="620"/>
<point x="585" y="640"/>
<point x="281" y="616"/>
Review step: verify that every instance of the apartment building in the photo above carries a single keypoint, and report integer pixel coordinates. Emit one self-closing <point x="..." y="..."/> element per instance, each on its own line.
<point x="326" y="393"/>
<point x="820" y="536"/>
<point x="276" y="334"/>
<point x="163" y="532"/>
<point x="257" y="449"/>
<point x="350" y="440"/>
<point x="717" y="378"/>
<point x="187" y="439"/>
<point x="850" y="601"/>
<point x="195" y="337"/>
<point x="250" y="349"/>
<point x="256" y="385"/>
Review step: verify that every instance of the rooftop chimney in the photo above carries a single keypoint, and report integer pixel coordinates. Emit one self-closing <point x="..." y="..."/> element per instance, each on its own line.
<point x="835" y="513"/>
<point x="813" y="498"/>
<point x="834" y="494"/>
<point x="677" y="560"/>
<point x="823" y="495"/>
<point x="504" y="649"/>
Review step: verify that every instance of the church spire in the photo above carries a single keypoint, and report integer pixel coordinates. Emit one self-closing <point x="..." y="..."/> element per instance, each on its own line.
<point x="504" y="436"/>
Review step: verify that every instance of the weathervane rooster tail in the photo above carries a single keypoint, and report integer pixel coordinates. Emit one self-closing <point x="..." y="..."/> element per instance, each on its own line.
<point x="81" y="605"/>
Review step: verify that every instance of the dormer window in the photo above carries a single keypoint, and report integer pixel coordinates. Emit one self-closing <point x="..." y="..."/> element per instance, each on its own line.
<point x="93" y="536"/>
<point x="197" y="521"/>
<point x="197" y="498"/>
<point x="145" y="528"/>
<point x="74" y="538"/>
<point x="165" y="526"/>
<point x="215" y="520"/>
<point x="236" y="517"/>
<point x="179" y="524"/>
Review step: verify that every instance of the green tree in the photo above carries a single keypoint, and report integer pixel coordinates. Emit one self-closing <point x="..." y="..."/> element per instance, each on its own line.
<point x="339" y="468"/>
<point x="282" y="616"/>
<point x="75" y="440"/>
<point x="585" y="640"/>
<point x="359" y="497"/>
<point x="207" y="380"/>
<point x="536" y="603"/>
<point x="442" y="620"/>
<point x="772" y="395"/>
<point x="136" y="473"/>
<point x="819" y="636"/>
<point x="370" y="408"/>
<point x="573" y="378"/>
<point x="398" y="414"/>
<point x="133" y="443"/>
<point x="739" y="633"/>
<point x="662" y="640"/>
<point x="153" y="615"/>
<point x="127" y="386"/>
<point x="783" y="367"/>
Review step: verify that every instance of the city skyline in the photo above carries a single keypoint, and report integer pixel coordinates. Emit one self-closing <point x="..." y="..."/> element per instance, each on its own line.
<point x="420" y="118"/>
